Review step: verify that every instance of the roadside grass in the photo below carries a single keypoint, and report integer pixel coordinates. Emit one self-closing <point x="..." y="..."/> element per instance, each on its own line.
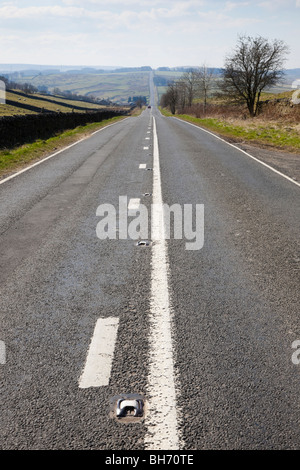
<point x="12" y="160"/>
<point x="277" y="134"/>
<point x="269" y="95"/>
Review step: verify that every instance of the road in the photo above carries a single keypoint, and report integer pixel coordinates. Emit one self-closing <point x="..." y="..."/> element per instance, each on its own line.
<point x="201" y="329"/>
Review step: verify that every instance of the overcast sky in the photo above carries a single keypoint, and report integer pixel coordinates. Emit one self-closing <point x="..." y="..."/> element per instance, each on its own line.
<point x="137" y="33"/>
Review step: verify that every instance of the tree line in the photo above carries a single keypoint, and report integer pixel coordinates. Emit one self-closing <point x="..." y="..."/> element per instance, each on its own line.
<point x="254" y="65"/>
<point x="25" y="87"/>
<point x="194" y="83"/>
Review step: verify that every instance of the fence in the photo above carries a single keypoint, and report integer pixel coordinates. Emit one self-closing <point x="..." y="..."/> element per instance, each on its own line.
<point x="18" y="130"/>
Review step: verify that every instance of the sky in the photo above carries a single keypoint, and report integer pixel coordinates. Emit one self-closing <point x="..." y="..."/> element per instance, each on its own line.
<point x="132" y="33"/>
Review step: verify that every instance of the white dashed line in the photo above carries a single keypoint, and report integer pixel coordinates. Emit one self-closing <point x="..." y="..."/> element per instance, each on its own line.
<point x="2" y="353"/>
<point x="142" y="165"/>
<point x="97" y="368"/>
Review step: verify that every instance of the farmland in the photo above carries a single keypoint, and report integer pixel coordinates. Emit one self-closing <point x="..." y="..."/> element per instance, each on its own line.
<point x="277" y="125"/>
<point x="20" y="103"/>
<point x="115" y="87"/>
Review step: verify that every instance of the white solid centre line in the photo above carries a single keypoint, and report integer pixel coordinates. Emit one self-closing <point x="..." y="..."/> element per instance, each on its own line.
<point x="97" y="368"/>
<point x="162" y="417"/>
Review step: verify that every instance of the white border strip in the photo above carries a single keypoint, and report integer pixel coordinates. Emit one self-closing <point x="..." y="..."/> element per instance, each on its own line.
<point x="243" y="151"/>
<point x="162" y="417"/>
<point x="58" y="152"/>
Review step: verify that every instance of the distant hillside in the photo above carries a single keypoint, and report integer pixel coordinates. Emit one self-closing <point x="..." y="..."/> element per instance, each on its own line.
<point x="291" y="75"/>
<point x="117" y="84"/>
<point x="11" y="68"/>
<point x="19" y="103"/>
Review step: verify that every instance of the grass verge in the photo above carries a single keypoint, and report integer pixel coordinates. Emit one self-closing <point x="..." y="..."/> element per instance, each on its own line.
<point x="12" y="160"/>
<point x="266" y="133"/>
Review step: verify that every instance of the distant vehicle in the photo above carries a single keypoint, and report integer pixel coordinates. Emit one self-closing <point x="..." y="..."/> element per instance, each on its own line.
<point x="149" y="106"/>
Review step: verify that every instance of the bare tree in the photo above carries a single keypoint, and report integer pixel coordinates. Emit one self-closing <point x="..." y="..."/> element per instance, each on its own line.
<point x="182" y="91"/>
<point x="205" y="78"/>
<point x="254" y="65"/>
<point x="170" y="98"/>
<point x="191" y="81"/>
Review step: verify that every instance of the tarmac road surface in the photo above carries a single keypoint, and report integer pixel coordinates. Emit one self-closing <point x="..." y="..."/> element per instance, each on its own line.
<point x="203" y="327"/>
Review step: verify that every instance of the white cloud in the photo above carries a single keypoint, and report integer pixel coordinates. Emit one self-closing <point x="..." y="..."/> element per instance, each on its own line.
<point x="131" y="32"/>
<point x="139" y="3"/>
<point x="154" y="18"/>
<point x="276" y="4"/>
<point x="176" y="9"/>
<point x="14" y="12"/>
<point x="229" y="6"/>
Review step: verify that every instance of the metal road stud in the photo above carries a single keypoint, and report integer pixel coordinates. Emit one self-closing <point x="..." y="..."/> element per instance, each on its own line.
<point x="143" y="243"/>
<point x="125" y="406"/>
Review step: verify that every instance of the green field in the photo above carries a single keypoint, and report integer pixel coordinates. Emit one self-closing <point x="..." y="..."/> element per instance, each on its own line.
<point x="116" y="87"/>
<point x="18" y="102"/>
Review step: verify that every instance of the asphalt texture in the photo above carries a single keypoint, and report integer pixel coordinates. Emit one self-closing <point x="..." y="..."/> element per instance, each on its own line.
<point x="235" y="301"/>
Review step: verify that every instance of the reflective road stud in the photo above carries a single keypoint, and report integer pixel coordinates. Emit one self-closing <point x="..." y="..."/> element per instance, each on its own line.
<point x="125" y="407"/>
<point x="128" y="408"/>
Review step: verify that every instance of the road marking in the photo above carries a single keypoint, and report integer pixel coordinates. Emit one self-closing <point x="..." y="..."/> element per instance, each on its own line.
<point x="134" y="204"/>
<point x="58" y="152"/>
<point x="243" y="151"/>
<point x="98" y="364"/>
<point x="162" y="417"/>
<point x="146" y="148"/>
<point x="2" y="353"/>
<point x="142" y="165"/>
